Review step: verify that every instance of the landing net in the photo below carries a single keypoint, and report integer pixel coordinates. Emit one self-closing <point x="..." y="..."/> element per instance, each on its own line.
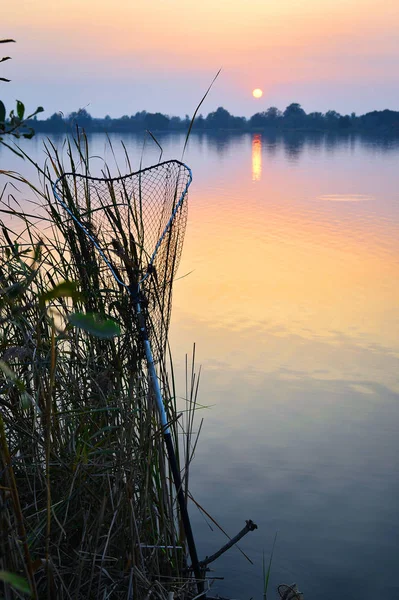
<point x="137" y="224"/>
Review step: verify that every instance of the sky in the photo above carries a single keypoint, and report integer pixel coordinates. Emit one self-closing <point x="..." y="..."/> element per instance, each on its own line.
<point x="122" y="56"/>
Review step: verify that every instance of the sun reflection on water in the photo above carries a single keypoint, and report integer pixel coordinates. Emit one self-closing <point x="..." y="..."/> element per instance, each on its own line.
<point x="256" y="157"/>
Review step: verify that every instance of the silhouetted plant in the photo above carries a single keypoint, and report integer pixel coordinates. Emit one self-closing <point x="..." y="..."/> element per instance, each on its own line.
<point x="15" y="123"/>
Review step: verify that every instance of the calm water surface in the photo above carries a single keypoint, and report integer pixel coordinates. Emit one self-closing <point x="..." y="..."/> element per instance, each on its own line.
<point x="292" y="247"/>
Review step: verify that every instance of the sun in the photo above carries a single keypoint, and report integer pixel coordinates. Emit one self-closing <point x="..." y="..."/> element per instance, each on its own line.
<point x="257" y="93"/>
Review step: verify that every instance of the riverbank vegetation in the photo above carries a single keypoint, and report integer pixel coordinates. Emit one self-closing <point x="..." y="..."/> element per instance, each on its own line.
<point x="87" y="504"/>
<point x="293" y="118"/>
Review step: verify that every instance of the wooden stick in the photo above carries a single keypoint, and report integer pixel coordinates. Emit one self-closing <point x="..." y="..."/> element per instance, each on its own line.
<point x="250" y="526"/>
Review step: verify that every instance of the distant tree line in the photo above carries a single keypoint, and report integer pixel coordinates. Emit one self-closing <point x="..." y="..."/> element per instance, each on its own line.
<point x="293" y="118"/>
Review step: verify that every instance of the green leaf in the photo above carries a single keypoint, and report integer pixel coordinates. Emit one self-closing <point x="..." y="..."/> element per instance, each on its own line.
<point x="29" y="135"/>
<point x="20" y="109"/>
<point x="8" y="372"/>
<point x="39" y="110"/>
<point x="65" y="289"/>
<point x="95" y="324"/>
<point x="11" y="376"/>
<point x="26" y="400"/>
<point x="17" y="582"/>
<point x="2" y="112"/>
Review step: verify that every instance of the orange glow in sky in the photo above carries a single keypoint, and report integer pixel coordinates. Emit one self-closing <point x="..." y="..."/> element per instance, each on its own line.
<point x="161" y="55"/>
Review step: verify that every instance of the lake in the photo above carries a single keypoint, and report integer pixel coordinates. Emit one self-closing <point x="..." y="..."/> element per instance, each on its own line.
<point x="289" y="286"/>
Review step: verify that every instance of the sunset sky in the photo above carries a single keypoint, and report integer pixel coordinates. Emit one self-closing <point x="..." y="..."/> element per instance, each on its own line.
<point x="127" y="55"/>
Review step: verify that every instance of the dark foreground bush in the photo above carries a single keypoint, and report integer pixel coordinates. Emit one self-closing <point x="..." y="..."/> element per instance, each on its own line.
<point x="87" y="508"/>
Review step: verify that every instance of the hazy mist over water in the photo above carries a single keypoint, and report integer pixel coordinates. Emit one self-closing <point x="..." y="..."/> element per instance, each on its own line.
<point x="292" y="256"/>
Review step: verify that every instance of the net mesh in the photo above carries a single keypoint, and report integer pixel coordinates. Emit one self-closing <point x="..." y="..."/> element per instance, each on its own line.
<point x="137" y="223"/>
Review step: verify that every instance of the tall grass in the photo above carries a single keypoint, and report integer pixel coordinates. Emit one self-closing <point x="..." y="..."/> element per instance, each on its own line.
<point x="87" y="507"/>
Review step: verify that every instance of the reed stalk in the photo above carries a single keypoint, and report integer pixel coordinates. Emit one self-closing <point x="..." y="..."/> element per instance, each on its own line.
<point x="87" y="506"/>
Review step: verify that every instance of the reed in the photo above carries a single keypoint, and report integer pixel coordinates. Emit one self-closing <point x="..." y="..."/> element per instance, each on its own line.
<point x="87" y="505"/>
